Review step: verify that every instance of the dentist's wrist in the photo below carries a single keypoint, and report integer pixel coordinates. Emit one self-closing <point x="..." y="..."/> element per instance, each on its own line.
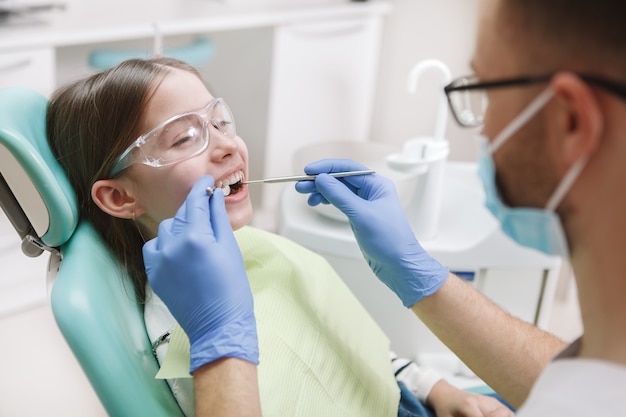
<point x="235" y="340"/>
<point x="423" y="283"/>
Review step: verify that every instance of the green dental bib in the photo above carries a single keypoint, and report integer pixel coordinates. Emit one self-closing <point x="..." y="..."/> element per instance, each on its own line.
<point x="321" y="354"/>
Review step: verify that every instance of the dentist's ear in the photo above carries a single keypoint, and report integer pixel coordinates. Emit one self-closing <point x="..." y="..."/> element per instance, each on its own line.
<point x="578" y="117"/>
<point x="116" y="198"/>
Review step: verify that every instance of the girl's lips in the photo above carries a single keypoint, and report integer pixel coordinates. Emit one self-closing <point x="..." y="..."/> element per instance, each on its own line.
<point x="240" y="195"/>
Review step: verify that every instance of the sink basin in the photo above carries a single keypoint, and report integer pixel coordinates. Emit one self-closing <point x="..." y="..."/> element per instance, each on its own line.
<point x="371" y="154"/>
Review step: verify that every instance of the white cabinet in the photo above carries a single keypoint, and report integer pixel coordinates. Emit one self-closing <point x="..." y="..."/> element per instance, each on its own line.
<point x="322" y="88"/>
<point x="32" y="68"/>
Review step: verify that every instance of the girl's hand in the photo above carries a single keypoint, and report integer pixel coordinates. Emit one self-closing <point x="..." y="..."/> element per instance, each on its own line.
<point x="449" y="401"/>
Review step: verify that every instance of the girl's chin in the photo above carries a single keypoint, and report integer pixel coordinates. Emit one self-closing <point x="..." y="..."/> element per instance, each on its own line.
<point x="240" y="214"/>
<point x="237" y="224"/>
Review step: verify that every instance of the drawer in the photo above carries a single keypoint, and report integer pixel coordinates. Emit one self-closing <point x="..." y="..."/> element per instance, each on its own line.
<point x="33" y="68"/>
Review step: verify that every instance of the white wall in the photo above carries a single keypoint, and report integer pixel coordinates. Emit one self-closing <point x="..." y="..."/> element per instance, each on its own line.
<point x="416" y="30"/>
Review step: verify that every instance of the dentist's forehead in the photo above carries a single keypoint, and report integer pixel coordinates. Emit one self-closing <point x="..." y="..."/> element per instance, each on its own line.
<point x="497" y="50"/>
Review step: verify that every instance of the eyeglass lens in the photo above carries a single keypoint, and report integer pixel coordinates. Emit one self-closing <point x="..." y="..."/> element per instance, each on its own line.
<point x="469" y="106"/>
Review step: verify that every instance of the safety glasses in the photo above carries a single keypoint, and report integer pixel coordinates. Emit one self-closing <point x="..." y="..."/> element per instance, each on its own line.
<point x="178" y="138"/>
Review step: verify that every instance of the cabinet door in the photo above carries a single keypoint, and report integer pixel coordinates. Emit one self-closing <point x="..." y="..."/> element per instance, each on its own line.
<point x="33" y="68"/>
<point x="322" y="88"/>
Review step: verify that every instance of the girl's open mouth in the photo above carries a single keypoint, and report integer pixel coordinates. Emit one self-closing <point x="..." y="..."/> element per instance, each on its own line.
<point x="232" y="184"/>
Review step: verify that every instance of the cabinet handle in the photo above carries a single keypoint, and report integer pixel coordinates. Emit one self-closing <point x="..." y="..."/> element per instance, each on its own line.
<point x="15" y="65"/>
<point x="327" y="31"/>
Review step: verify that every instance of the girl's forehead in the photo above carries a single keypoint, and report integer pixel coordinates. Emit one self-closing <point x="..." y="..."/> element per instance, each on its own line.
<point x="179" y="92"/>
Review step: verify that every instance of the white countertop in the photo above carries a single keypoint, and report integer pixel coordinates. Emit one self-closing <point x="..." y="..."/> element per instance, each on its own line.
<point x="92" y="21"/>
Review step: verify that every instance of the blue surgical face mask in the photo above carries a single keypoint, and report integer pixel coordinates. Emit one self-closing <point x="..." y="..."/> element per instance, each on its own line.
<point x="539" y="229"/>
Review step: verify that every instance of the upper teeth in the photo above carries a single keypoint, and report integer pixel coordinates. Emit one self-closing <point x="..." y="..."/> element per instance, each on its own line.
<point x="225" y="183"/>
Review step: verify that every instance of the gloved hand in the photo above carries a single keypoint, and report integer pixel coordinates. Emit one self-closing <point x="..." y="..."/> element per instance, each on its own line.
<point x="380" y="227"/>
<point x="196" y="268"/>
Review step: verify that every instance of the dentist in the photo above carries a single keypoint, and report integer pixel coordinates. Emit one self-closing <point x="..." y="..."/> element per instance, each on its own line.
<point x="549" y="91"/>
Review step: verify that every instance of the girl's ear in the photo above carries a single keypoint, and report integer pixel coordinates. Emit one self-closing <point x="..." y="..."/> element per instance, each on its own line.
<point x="115" y="198"/>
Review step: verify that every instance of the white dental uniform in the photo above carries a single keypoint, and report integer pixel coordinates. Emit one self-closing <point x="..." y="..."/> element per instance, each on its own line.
<point x="576" y="387"/>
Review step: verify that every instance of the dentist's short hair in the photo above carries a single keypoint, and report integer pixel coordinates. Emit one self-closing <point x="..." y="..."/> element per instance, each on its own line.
<point x="591" y="32"/>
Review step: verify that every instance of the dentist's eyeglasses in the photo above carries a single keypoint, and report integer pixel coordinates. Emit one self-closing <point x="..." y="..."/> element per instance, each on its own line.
<point x="468" y="97"/>
<point x="178" y="138"/>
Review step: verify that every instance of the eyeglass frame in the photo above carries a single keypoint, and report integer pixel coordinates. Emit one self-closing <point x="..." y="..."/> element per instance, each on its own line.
<point x="608" y="85"/>
<point x="119" y="167"/>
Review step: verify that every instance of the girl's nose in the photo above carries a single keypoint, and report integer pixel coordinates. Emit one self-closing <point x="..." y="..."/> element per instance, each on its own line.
<point x="220" y="145"/>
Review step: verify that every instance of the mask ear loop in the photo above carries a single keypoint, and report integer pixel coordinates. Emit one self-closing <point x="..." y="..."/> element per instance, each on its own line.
<point x="566" y="183"/>
<point x="537" y="104"/>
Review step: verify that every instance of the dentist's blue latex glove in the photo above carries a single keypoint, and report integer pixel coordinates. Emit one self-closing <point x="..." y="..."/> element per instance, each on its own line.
<point x="195" y="267"/>
<point x="380" y="227"/>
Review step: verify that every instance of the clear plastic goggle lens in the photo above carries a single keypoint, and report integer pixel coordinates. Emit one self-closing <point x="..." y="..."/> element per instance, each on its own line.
<point x="221" y="118"/>
<point x="176" y="141"/>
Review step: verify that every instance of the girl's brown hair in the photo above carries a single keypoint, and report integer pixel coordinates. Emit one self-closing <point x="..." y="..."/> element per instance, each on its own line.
<point x="89" y="123"/>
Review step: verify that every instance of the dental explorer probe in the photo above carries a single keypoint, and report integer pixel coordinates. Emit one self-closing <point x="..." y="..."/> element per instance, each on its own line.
<point x="209" y="190"/>
<point x="310" y="177"/>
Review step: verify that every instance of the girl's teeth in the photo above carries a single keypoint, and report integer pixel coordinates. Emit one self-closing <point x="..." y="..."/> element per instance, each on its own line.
<point x="225" y="185"/>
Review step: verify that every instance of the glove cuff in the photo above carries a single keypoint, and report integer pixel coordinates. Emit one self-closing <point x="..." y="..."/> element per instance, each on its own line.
<point x="436" y="277"/>
<point x="235" y="340"/>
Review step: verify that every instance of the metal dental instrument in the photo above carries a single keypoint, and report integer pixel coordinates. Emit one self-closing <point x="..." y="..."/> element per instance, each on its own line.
<point x="209" y="190"/>
<point x="309" y="177"/>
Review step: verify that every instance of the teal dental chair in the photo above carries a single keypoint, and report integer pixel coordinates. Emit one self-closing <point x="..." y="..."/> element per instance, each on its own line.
<point x="92" y="299"/>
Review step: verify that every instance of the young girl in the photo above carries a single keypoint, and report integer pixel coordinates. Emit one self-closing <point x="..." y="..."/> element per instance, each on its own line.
<point x="133" y="140"/>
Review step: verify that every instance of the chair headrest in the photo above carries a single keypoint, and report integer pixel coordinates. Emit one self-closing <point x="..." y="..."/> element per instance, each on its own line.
<point x="34" y="190"/>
